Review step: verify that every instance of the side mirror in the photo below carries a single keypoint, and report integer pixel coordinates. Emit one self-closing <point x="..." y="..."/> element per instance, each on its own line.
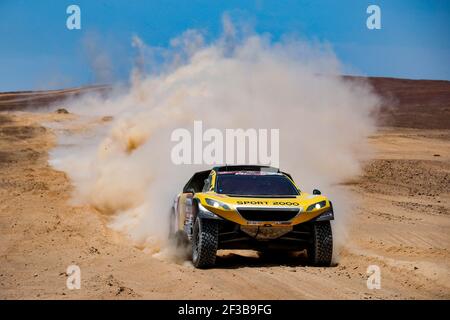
<point x="316" y="192"/>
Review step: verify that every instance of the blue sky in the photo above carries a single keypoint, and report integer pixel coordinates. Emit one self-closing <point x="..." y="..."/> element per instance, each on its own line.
<point x="37" y="51"/>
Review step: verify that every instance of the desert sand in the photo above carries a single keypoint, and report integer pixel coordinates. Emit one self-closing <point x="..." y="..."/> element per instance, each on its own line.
<point x="402" y="222"/>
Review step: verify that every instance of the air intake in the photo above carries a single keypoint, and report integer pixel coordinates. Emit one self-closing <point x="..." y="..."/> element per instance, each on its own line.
<point x="268" y="214"/>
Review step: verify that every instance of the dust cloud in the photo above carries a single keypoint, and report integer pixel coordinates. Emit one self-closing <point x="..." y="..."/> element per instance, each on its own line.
<point x="243" y="80"/>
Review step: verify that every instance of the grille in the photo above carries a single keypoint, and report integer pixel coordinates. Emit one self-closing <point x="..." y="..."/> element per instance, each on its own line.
<point x="268" y="214"/>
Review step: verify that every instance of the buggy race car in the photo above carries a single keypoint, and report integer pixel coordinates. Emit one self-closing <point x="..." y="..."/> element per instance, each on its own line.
<point x="251" y="207"/>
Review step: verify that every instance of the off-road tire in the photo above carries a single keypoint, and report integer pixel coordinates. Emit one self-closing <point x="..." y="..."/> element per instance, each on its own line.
<point x="320" y="250"/>
<point x="205" y="240"/>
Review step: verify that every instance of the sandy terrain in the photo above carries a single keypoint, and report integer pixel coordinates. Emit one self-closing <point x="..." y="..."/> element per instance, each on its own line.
<point x="402" y="225"/>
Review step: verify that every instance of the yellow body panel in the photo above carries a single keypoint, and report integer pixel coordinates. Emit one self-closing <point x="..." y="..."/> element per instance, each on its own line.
<point x="302" y="201"/>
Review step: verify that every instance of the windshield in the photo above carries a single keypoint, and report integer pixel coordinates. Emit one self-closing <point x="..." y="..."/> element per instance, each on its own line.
<point x="255" y="185"/>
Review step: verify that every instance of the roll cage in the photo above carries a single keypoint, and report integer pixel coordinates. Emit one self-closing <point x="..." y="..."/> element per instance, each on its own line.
<point x="201" y="181"/>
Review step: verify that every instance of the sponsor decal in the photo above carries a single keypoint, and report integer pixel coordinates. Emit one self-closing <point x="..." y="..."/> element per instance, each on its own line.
<point x="266" y="203"/>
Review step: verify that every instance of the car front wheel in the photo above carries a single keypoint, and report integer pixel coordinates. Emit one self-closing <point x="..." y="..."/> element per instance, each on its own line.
<point x="205" y="240"/>
<point x="320" y="251"/>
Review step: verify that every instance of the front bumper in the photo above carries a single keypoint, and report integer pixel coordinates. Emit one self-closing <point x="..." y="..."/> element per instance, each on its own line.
<point x="267" y="216"/>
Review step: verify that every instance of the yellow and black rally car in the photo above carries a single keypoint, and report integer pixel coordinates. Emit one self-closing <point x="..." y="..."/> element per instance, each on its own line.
<point x="251" y="207"/>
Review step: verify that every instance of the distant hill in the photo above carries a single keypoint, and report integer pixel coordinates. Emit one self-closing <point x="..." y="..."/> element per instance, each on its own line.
<point x="22" y="100"/>
<point x="423" y="104"/>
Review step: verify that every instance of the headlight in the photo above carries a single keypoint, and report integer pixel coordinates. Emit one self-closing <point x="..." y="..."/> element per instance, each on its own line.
<point x="205" y="213"/>
<point x="317" y="206"/>
<point x="217" y="204"/>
